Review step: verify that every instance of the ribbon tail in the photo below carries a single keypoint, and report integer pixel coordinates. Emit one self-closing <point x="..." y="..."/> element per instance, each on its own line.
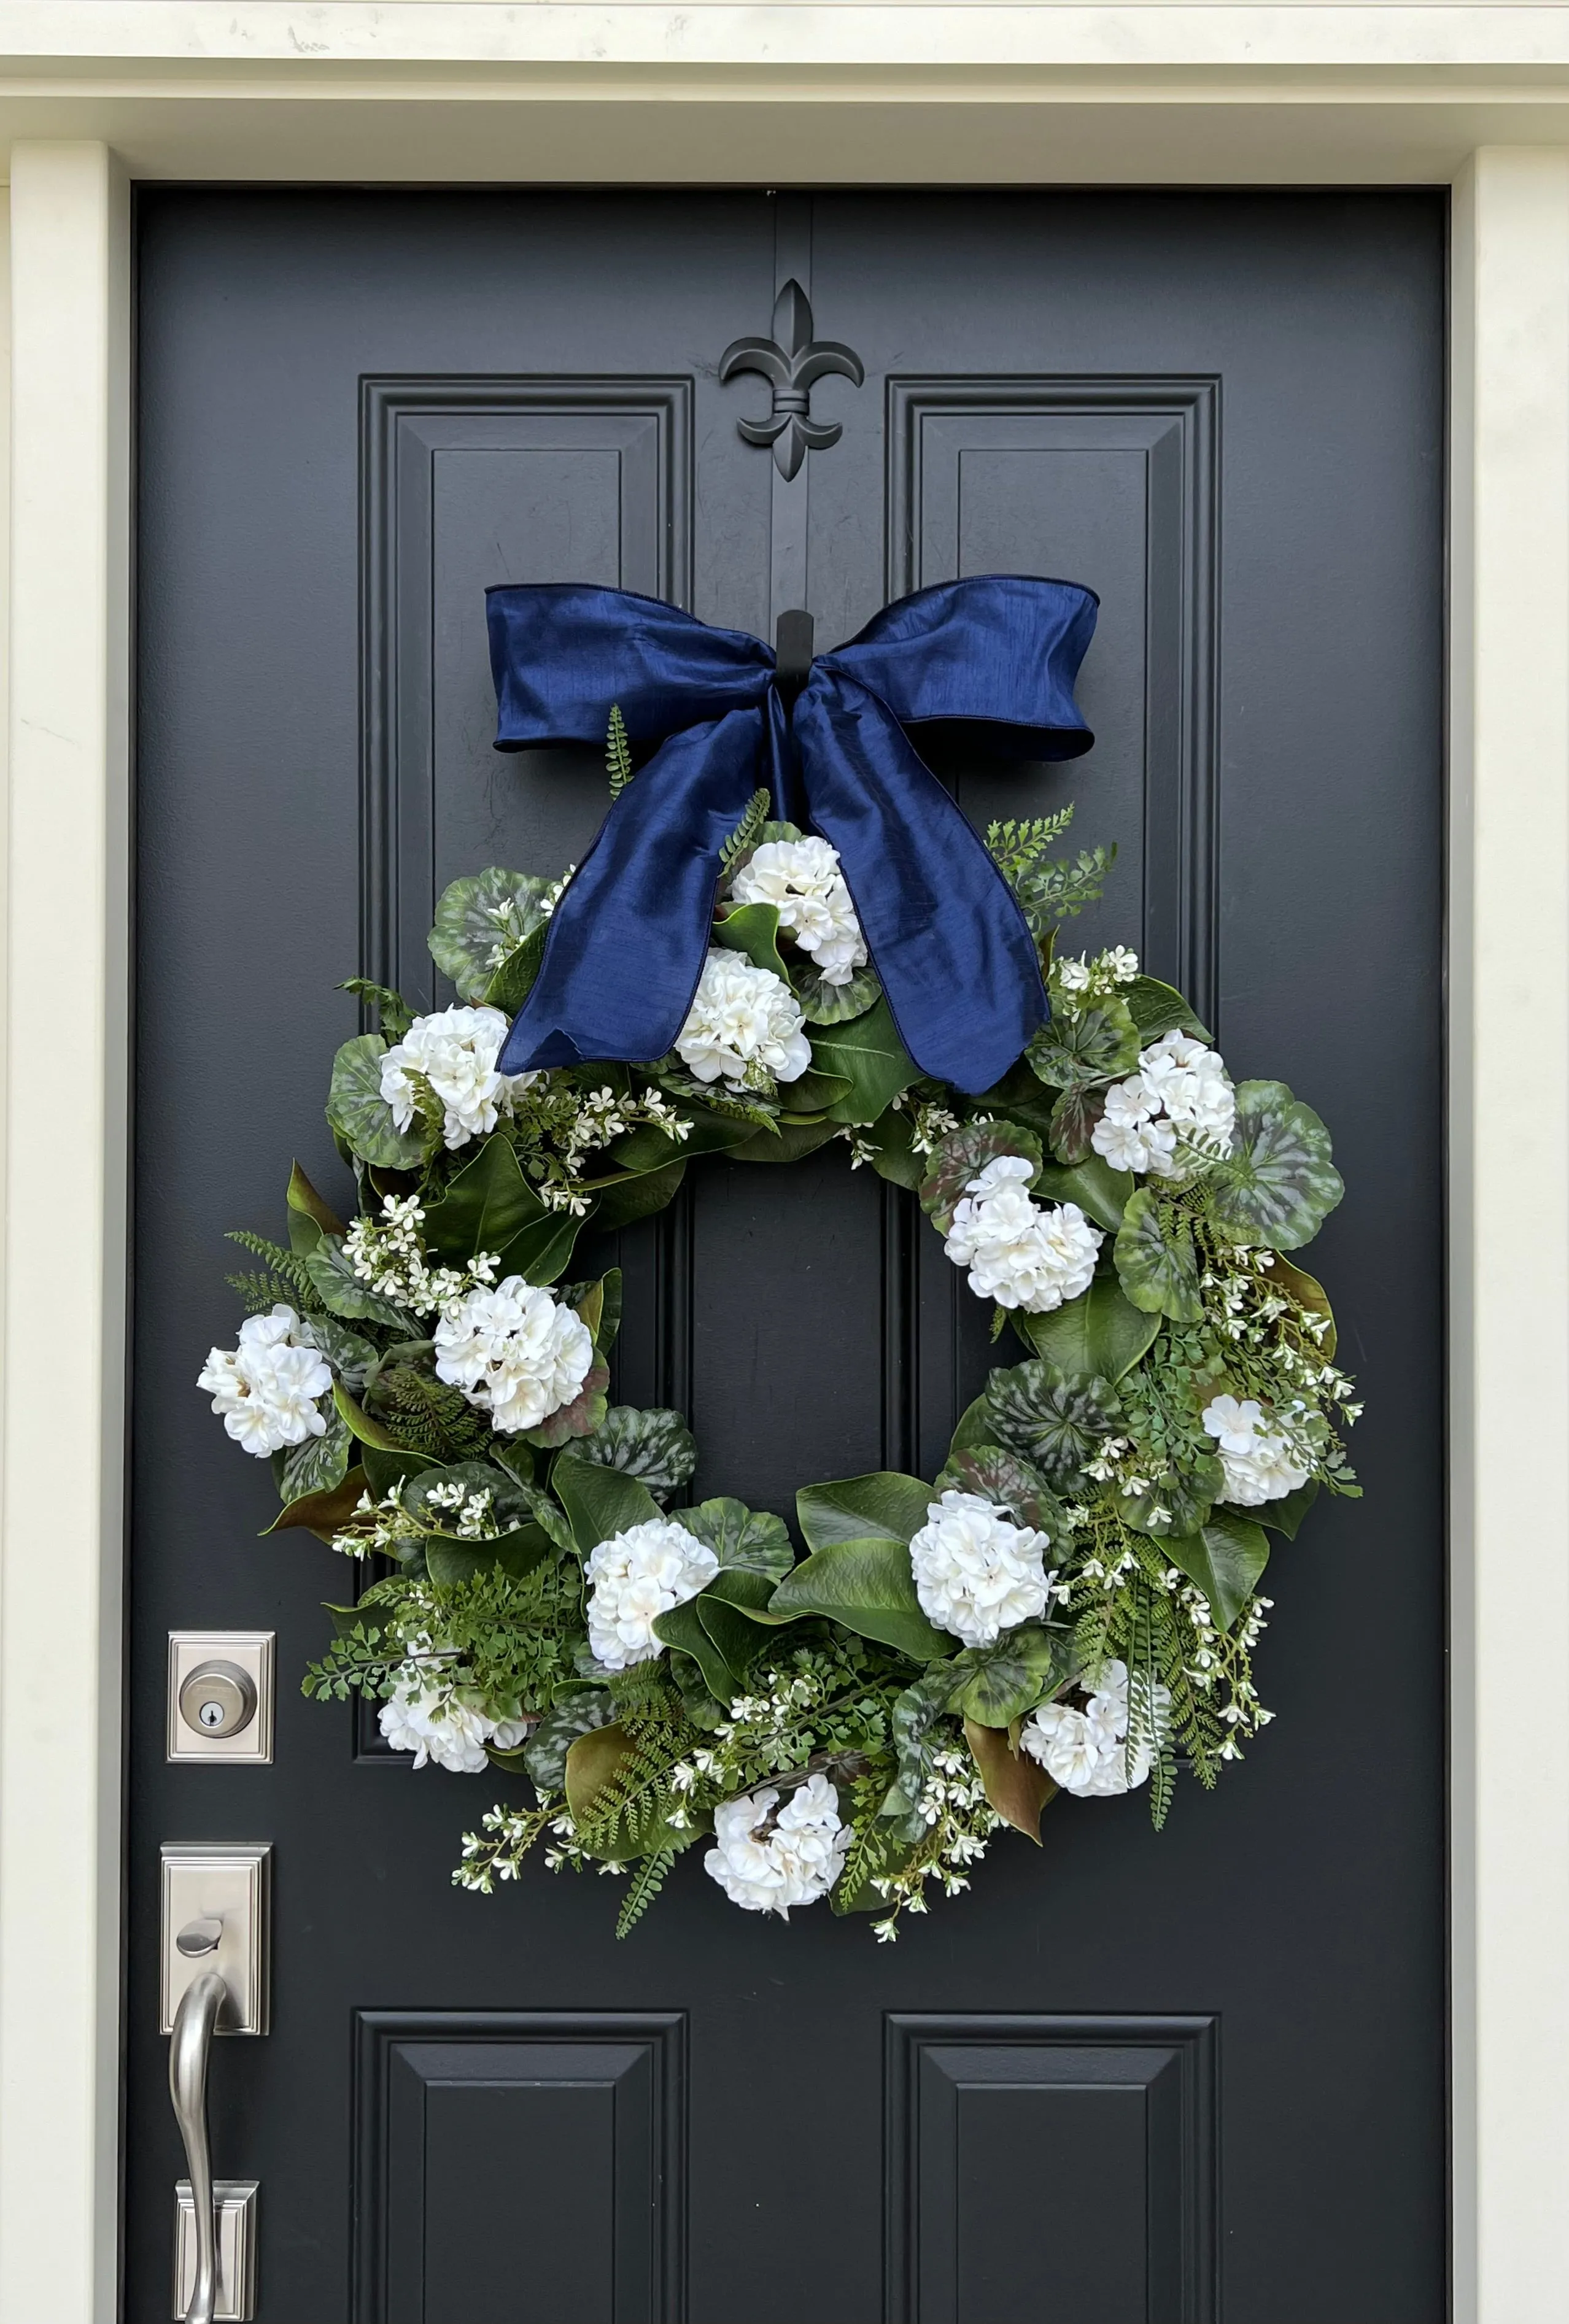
<point x="629" y="937"/>
<point x="946" y="934"/>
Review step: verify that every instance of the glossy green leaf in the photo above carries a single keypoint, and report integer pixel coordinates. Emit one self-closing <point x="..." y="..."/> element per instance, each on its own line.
<point x="870" y="1055"/>
<point x="961" y="1155"/>
<point x="682" y="1628"/>
<point x="387" y="1469"/>
<point x="1154" y="1259"/>
<point x="881" y="1506"/>
<point x="1157" y="1009"/>
<point x="753" y="929"/>
<point x="1278" y="1184"/>
<point x="1100" y="1192"/>
<point x="1226" y="1558"/>
<point x="360" y="1423"/>
<point x="621" y="1206"/>
<point x="1094" y="1043"/>
<point x="867" y="1586"/>
<point x="599" y="1502"/>
<point x="974" y="1427"/>
<point x="449" y="1561"/>
<point x="488" y="1205"/>
<point x="318" y="1464"/>
<point x="791" y="1142"/>
<point x="480" y="917"/>
<point x="357" y="1112"/>
<point x="648" y="1443"/>
<point x="1285" y="1514"/>
<point x="309" y="1218"/>
<point x="823" y="1003"/>
<point x="1309" y="1293"/>
<point x="511" y="983"/>
<point x="893" y="1156"/>
<point x="1100" y="1331"/>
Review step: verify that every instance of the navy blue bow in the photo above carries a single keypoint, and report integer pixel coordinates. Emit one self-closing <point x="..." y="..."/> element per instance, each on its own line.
<point x="997" y="656"/>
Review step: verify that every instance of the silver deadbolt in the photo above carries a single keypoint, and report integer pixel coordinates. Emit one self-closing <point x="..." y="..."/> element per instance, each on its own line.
<point x="218" y="1698"/>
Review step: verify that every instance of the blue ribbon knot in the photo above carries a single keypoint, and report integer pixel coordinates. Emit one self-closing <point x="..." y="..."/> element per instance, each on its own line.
<point x="995" y="657"/>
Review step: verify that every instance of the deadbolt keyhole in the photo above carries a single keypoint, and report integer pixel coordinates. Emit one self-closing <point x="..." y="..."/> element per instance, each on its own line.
<point x="218" y="1698"/>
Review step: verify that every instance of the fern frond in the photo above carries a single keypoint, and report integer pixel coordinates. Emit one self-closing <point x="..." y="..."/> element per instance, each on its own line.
<point x="617" y="754"/>
<point x="1015" y="846"/>
<point x="646" y="1883"/>
<point x="746" y="834"/>
<point x="287" y="1266"/>
<point x="428" y="1417"/>
<point x="261" y="1291"/>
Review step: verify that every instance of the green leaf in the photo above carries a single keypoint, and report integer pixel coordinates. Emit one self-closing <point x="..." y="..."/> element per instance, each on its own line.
<point x="581" y="1417"/>
<point x="1073" y="1119"/>
<point x="1017" y="1786"/>
<point x="646" y="1148"/>
<point x="868" y="1587"/>
<point x="581" y="1712"/>
<point x="361" y="1425"/>
<point x="385" y="1470"/>
<point x="813" y="1094"/>
<point x="318" y="1464"/>
<point x="792" y="1141"/>
<point x="1226" y="1558"/>
<point x="599" y="1502"/>
<point x="1178" y="1502"/>
<point x="449" y="1561"/>
<point x="1309" y="1293"/>
<point x="1096" y="1043"/>
<point x="1154" y="1259"/>
<point x="650" y="1443"/>
<point x="350" y="1356"/>
<point x="1100" y="1192"/>
<point x="357" y="1112"/>
<point x="1278" y="1184"/>
<point x="342" y="1293"/>
<point x="490" y="912"/>
<point x="1100" y="1331"/>
<point x="593" y="1763"/>
<point x="893" y="1155"/>
<point x="510" y="1504"/>
<point x="961" y="1155"/>
<point x="1009" y="1479"/>
<point x="1285" y="1514"/>
<point x="514" y="980"/>
<point x="974" y="1427"/>
<point x="882" y="1506"/>
<point x="488" y="1205"/>
<point x="639" y="1197"/>
<point x="309" y="1218"/>
<point x="994" y="1685"/>
<point x="915" y="1722"/>
<point x="393" y="1014"/>
<point x="682" y="1628"/>
<point x="870" y="1055"/>
<point x="752" y="1540"/>
<point x="322" y="1514"/>
<point x="1157" y="1009"/>
<point x="1055" y="1422"/>
<point x="753" y="930"/>
<point x="823" y="1003"/>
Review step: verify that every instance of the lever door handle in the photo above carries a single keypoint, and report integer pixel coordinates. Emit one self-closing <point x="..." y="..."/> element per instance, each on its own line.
<point x="188" y="2050"/>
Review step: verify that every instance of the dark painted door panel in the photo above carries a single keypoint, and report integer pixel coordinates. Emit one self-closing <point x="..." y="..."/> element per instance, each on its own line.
<point x="1133" y="2079"/>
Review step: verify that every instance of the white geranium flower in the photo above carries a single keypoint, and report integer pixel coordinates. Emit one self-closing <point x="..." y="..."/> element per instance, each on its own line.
<point x="513" y="1352"/>
<point x="1087" y="1751"/>
<point x="801" y="877"/>
<point x="1132" y="1133"/>
<point x="455" y="1052"/>
<point x="1257" y="1459"/>
<point x="1020" y="1253"/>
<point x="265" y="1390"/>
<point x="767" y="1869"/>
<point x="742" y="1016"/>
<point x="436" y="1728"/>
<point x="977" y="1574"/>
<point x="1180" y="1087"/>
<point x="636" y="1576"/>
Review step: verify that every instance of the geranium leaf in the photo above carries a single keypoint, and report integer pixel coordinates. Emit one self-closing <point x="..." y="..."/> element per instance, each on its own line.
<point x="361" y="1116"/>
<point x="753" y="929"/>
<point x="994" y="1685"/>
<point x="1154" y="1259"/>
<point x="914" y="1722"/>
<point x="309" y="1218"/>
<point x="1073" y="1118"/>
<point x="752" y="1540"/>
<point x="599" y="1502"/>
<point x="479" y="920"/>
<point x="1100" y="1192"/>
<point x="323" y="1514"/>
<point x="1278" y="1184"/>
<point x="868" y="1587"/>
<point x="349" y="1355"/>
<point x="1017" y="1787"/>
<point x="1051" y="1420"/>
<point x="510" y="1503"/>
<point x="883" y="1506"/>
<point x="870" y="1055"/>
<point x="1091" y="1044"/>
<point x="1226" y="1558"/>
<point x="342" y="1293"/>
<point x="1100" y="1331"/>
<point x="1157" y="1009"/>
<point x="823" y="1003"/>
<point x="650" y="1443"/>
<point x="1009" y="1479"/>
<point x="581" y="1417"/>
<point x="319" y="1463"/>
<point x="961" y="1155"/>
<point x="582" y="1712"/>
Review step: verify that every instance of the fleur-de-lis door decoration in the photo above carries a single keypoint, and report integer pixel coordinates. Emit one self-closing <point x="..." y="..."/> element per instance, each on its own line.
<point x="792" y="361"/>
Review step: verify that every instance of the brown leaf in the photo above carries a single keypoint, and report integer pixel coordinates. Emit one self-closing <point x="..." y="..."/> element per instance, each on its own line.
<point x="303" y="1197"/>
<point x="1017" y="1787"/>
<point x="1307" y="1292"/>
<point x="322" y="1514"/>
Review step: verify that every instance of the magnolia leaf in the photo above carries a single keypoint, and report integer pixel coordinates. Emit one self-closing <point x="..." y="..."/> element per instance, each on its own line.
<point x="1006" y="1477"/>
<point x="810" y="1094"/>
<point x="1055" y="1421"/>
<point x="994" y="1685"/>
<point x="604" y="1294"/>
<point x="599" y="1502"/>
<point x="541" y="1253"/>
<point x="1100" y="1331"/>
<point x="1226" y="1558"/>
<point x="752" y="1541"/>
<point x="361" y="1116"/>
<point x="639" y="1198"/>
<point x="870" y="1055"/>
<point x="961" y="1155"/>
<point x="1308" y="1293"/>
<point x="488" y="1205"/>
<point x="682" y="1628"/>
<point x="318" y="1464"/>
<point x="753" y="929"/>
<point x="514" y="980"/>
<point x="868" y="1587"/>
<point x="342" y="1293"/>
<point x="1016" y="1786"/>
<point x="448" y="1560"/>
<point x="729" y="1631"/>
<point x="387" y="1468"/>
<point x="646" y="1148"/>
<point x="581" y="1712"/>
<point x="823" y="1003"/>
<point x="1100" y="1192"/>
<point x="650" y="1443"/>
<point x="323" y="1514"/>
<point x="1154" y="1259"/>
<point x="1157" y="1009"/>
<point x="881" y="1506"/>
<point x="1278" y="1184"/>
<point x="480" y="920"/>
<point x="593" y="1763"/>
<point x="1073" y="1118"/>
<point x="1285" y="1514"/>
<point x="892" y="1149"/>
<point x="581" y="1417"/>
<point x="1094" y="1043"/>
<point x="309" y="1218"/>
<point x="361" y="1425"/>
<point x="789" y="1143"/>
<point x="974" y="1428"/>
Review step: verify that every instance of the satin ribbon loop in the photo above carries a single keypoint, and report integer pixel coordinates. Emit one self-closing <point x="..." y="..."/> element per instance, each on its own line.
<point x="995" y="657"/>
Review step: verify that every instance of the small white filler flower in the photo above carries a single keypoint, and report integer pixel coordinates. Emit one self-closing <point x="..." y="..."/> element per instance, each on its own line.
<point x="1020" y="1253"/>
<point x="801" y="877"/>
<point x="767" y="1867"/>
<point x="636" y="1576"/>
<point x="513" y="1351"/>
<point x="742" y="1016"/>
<point x="266" y="1390"/>
<point x="455" y="1051"/>
<point x="976" y="1572"/>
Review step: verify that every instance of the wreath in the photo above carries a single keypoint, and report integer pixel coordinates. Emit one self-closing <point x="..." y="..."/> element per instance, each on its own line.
<point x="1071" y="1605"/>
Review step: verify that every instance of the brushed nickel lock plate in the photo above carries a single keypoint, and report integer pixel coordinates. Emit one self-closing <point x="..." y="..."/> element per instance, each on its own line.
<point x="220" y="1696"/>
<point x="217" y="1893"/>
<point x="234" y="2203"/>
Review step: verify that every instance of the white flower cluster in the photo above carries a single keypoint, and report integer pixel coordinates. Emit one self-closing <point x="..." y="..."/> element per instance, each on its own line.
<point x="636" y="1576"/>
<point x="1179" y="1091"/>
<point x="802" y="878"/>
<point x="389" y="1254"/>
<point x="513" y="1352"/>
<point x="381" y="1528"/>
<point x="1020" y="1253"/>
<point x="769" y="1869"/>
<point x="1087" y="1751"/>
<point x="454" y="1052"/>
<point x="599" y="1117"/>
<point x="977" y="1574"/>
<point x="744" y="1024"/>
<point x="266" y="1388"/>
<point x="433" y="1723"/>
<point x="1093" y="978"/>
<point x="1258" y="1460"/>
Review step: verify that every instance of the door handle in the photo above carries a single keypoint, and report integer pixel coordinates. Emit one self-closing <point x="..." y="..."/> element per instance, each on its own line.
<point x="189" y="2048"/>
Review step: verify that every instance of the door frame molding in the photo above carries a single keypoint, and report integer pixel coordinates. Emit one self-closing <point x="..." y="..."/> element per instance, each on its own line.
<point x="1474" y="97"/>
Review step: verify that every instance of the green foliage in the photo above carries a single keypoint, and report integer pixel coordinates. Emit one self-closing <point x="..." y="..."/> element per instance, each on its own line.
<point x="823" y="1003"/>
<point x="994" y="1685"/>
<point x="1155" y="1259"/>
<point x="746" y="836"/>
<point x="1094" y="1043"/>
<point x="1100" y="1192"/>
<point x="393" y="1014"/>
<point x="743" y="1540"/>
<point x="1278" y="1184"/>
<point x="1157" y="1009"/>
<point x="480" y="920"/>
<point x="1055" y="1421"/>
<point x="867" y="1585"/>
<point x="360" y="1116"/>
<point x="427" y="1415"/>
<point x="600" y="1502"/>
<point x="753" y="931"/>
<point x="882" y="1506"/>
<point x="1007" y="1479"/>
<point x="575" y="1713"/>
<point x="868" y="1054"/>
<point x="618" y="755"/>
<point x="1226" y="1558"/>
<point x="961" y="1155"/>
<point x="318" y="1464"/>
<point x="341" y="1291"/>
<point x="646" y="1882"/>
<point x="1049" y="888"/>
<point x="1101" y="1332"/>
<point x="652" y="1444"/>
<point x="282" y="1282"/>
